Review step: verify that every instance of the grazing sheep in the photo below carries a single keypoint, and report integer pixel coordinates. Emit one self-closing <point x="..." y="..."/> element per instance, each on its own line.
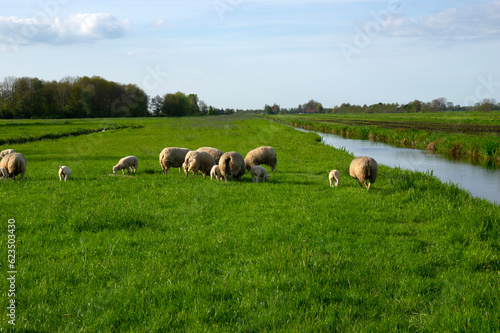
<point x="262" y="155"/>
<point x="129" y="162"/>
<point x="172" y="157"/>
<point x="4" y="174"/>
<point x="198" y="161"/>
<point x="215" y="172"/>
<point x="13" y="164"/>
<point x="364" y="168"/>
<point x="334" y="178"/>
<point x="258" y="171"/>
<point x="232" y="165"/>
<point x="64" y="173"/>
<point x="6" y="152"/>
<point x="216" y="153"/>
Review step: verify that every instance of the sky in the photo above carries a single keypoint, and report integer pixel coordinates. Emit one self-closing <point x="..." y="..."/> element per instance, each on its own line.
<point x="244" y="54"/>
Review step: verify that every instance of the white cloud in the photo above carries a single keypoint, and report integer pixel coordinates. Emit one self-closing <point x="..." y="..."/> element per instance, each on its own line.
<point x="79" y="28"/>
<point x="467" y="23"/>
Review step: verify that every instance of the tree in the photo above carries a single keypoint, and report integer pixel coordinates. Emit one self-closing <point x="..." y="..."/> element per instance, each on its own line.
<point x="156" y="105"/>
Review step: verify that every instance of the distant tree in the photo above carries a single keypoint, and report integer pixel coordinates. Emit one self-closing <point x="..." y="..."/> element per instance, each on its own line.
<point x="319" y="108"/>
<point x="275" y="109"/>
<point x="210" y="110"/>
<point x="156" y="105"/>
<point x="203" y="107"/>
<point x="439" y="104"/>
<point x="486" y="105"/>
<point x="268" y="109"/>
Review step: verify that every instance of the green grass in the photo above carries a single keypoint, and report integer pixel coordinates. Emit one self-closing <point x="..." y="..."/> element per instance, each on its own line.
<point x="155" y="253"/>
<point x="455" y="139"/>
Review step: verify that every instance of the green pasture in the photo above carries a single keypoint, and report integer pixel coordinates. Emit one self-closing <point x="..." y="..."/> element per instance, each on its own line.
<point x="154" y="253"/>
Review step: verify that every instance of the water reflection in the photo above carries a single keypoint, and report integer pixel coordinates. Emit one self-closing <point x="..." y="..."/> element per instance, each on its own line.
<point x="479" y="181"/>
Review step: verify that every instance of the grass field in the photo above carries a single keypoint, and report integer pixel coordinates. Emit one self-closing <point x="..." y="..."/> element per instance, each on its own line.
<point x="156" y="253"/>
<point x="472" y="136"/>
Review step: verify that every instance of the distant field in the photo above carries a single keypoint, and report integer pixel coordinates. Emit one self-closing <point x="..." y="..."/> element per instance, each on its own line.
<point x="149" y="252"/>
<point x="470" y="135"/>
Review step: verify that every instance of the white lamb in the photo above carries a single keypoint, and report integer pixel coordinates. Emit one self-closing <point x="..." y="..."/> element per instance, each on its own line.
<point x="64" y="173"/>
<point x="334" y="178"/>
<point x="258" y="171"/>
<point x="129" y="162"/>
<point x="215" y="172"/>
<point x="6" y="152"/>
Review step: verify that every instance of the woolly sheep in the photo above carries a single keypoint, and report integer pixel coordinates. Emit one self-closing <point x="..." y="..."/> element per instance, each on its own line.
<point x="258" y="171"/>
<point x="172" y="157"/>
<point x="334" y="178"/>
<point x="364" y="168"/>
<point x="216" y="153"/>
<point x="232" y="165"/>
<point x="4" y="174"/>
<point x="129" y="162"/>
<point x="262" y="155"/>
<point x="198" y="161"/>
<point x="13" y="164"/>
<point x="215" y="172"/>
<point x="6" y="152"/>
<point x="64" y="173"/>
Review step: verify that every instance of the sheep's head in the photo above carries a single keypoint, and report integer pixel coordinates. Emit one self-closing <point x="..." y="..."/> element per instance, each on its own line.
<point x="4" y="173"/>
<point x="115" y="169"/>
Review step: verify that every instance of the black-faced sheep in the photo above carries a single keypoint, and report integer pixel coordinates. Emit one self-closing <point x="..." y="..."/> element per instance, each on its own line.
<point x="172" y="157"/>
<point x="13" y="165"/>
<point x="64" y="173"/>
<point x="262" y="155"/>
<point x="364" y="168"/>
<point x="198" y="161"/>
<point x="215" y="172"/>
<point x="129" y="162"/>
<point x="232" y="165"/>
<point x="216" y="153"/>
<point x="334" y="178"/>
<point x="259" y="172"/>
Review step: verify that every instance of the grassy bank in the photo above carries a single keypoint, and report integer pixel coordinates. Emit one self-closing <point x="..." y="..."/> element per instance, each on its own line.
<point x="464" y="135"/>
<point x="150" y="252"/>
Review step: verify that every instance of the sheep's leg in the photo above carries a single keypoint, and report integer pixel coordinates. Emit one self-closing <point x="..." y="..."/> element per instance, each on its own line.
<point x="368" y="186"/>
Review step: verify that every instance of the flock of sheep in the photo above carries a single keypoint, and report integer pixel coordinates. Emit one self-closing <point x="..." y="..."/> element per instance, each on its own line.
<point x="208" y="161"/>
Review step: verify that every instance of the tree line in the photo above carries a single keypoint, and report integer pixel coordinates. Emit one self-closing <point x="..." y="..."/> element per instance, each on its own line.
<point x="95" y="97"/>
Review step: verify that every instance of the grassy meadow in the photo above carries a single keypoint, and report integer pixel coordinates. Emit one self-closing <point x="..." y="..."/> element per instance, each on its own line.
<point x="471" y="136"/>
<point x="155" y="253"/>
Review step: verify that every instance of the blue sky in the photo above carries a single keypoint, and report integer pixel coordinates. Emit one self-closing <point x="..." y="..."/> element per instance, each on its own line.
<point x="247" y="53"/>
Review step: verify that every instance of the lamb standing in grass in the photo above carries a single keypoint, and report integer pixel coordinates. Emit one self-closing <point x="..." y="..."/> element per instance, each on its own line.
<point x="262" y="155"/>
<point x="129" y="162"/>
<point x="215" y="172"/>
<point x="364" y="168"/>
<point x="64" y="173"/>
<point x="13" y="165"/>
<point x="6" y="152"/>
<point x="4" y="174"/>
<point x="334" y="178"/>
<point x="198" y="161"/>
<point x="172" y="157"/>
<point x="216" y="153"/>
<point x="258" y="171"/>
<point x="232" y="165"/>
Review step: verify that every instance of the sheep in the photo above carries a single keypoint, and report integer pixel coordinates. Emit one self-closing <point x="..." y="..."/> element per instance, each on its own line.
<point x="4" y="174"/>
<point x="334" y="176"/>
<point x="6" y="152"/>
<point x="216" y="153"/>
<point x="64" y="173"/>
<point x="198" y="161"/>
<point x="262" y="155"/>
<point x="129" y="162"/>
<point x="215" y="172"/>
<point x="13" y="165"/>
<point x="258" y="171"/>
<point x="364" y="168"/>
<point x="172" y="157"/>
<point x="232" y="165"/>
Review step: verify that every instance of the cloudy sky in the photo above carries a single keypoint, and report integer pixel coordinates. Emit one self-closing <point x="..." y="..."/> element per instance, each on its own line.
<point x="247" y="53"/>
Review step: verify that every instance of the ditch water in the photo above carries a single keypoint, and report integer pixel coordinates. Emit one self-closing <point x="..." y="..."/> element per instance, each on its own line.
<point x="479" y="181"/>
